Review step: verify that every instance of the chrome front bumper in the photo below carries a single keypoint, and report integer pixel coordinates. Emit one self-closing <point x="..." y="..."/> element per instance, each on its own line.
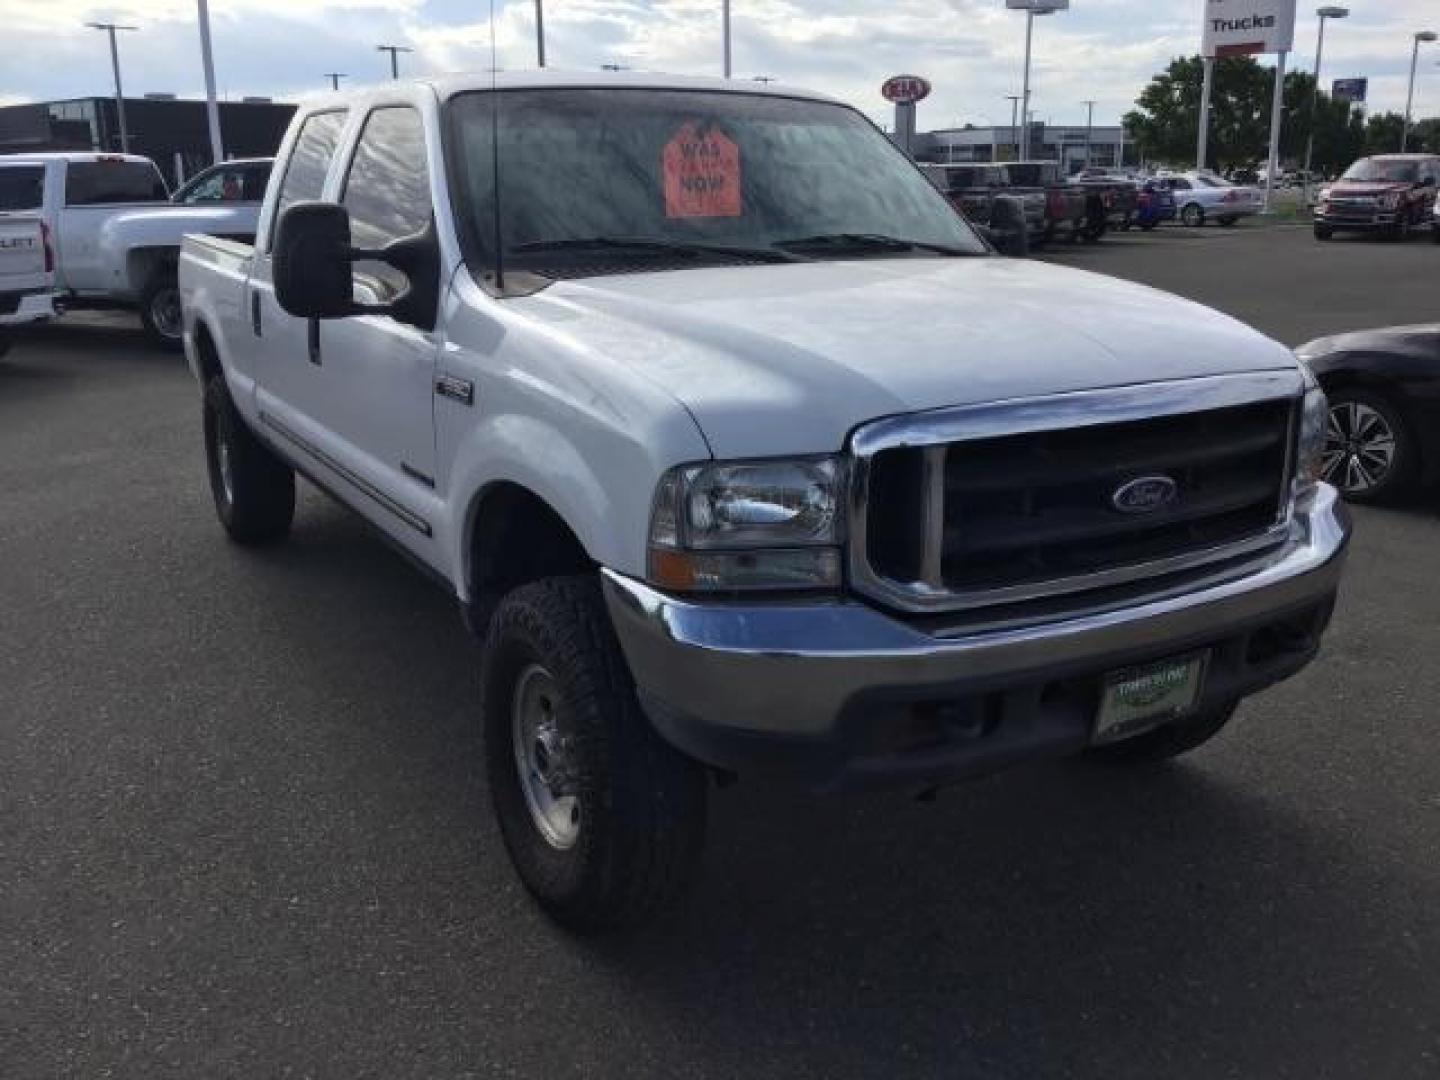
<point x="800" y="670"/>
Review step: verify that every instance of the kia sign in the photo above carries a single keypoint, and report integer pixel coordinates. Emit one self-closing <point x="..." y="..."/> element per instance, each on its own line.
<point x="905" y="89"/>
<point x="1246" y="27"/>
<point x="1040" y="7"/>
<point x="1350" y="91"/>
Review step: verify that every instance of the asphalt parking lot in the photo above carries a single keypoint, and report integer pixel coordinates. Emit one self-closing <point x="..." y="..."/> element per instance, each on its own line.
<point x="244" y="829"/>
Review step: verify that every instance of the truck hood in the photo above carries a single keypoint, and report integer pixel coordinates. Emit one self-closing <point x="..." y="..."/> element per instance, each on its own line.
<point x="790" y="358"/>
<point x="1350" y="188"/>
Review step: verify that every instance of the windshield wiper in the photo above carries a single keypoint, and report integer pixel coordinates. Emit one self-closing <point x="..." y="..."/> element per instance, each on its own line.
<point x="872" y="242"/>
<point x="674" y="247"/>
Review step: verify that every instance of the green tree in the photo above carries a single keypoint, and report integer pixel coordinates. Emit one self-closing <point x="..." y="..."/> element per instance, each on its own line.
<point x="1166" y="121"/>
<point x="1382" y="133"/>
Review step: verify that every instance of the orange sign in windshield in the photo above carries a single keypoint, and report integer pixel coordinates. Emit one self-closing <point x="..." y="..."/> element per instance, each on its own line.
<point x="702" y="174"/>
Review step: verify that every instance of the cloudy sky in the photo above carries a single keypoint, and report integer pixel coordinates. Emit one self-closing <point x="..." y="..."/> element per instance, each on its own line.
<point x="970" y="49"/>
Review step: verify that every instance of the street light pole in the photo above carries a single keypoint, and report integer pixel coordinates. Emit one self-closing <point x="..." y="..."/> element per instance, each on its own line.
<point x="1032" y="9"/>
<point x="540" y="31"/>
<point x="335" y="77"/>
<point x="110" y="28"/>
<point x="1202" y="143"/>
<point x="725" y="16"/>
<point x="212" y="110"/>
<point x="1089" y="128"/>
<point x="1014" y="100"/>
<point x="394" y="51"/>
<point x="1324" y="13"/>
<point x="1423" y="35"/>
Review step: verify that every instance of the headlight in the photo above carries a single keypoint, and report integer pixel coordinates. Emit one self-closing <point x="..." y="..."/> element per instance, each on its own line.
<point x="1310" y="447"/>
<point x="748" y="525"/>
<point x="1324" y="194"/>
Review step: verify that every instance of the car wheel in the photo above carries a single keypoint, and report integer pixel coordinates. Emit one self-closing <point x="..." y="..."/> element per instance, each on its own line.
<point x="254" y="491"/>
<point x="1193" y="215"/>
<point x="603" y="820"/>
<point x="160" y="311"/>
<point x="1171" y="740"/>
<point x="1323" y="232"/>
<point x="1370" y="451"/>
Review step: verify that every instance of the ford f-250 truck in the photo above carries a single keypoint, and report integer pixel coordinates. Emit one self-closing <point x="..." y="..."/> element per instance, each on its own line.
<point x="742" y="454"/>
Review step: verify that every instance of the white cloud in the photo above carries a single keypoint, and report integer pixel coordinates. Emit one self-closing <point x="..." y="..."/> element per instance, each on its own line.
<point x="970" y="49"/>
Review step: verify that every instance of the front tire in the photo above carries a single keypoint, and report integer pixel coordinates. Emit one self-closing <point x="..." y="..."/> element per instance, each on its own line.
<point x="603" y="821"/>
<point x="254" y="491"/>
<point x="1193" y="215"/>
<point x="160" y="312"/>
<point x="1323" y="232"/>
<point x="1163" y="743"/>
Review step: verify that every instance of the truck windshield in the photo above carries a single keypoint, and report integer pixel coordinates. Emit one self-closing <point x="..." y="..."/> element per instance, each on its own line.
<point x="609" y="181"/>
<point x="1373" y="169"/>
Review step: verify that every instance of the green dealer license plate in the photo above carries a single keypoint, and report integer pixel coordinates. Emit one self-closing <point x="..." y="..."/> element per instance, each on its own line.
<point x="1140" y="697"/>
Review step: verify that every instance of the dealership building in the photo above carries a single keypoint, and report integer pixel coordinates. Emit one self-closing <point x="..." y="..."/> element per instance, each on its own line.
<point x="1074" y="147"/>
<point x="174" y="133"/>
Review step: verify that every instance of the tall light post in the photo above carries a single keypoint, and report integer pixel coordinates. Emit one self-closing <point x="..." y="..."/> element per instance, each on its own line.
<point x="1324" y="13"/>
<point x="335" y="77"/>
<point x="1014" y="100"/>
<point x="110" y="29"/>
<point x="1031" y="8"/>
<point x="1089" y="128"/>
<point x="725" y="19"/>
<point x="1423" y="35"/>
<point x="207" y="61"/>
<point x="394" y="51"/>
<point x="540" y="32"/>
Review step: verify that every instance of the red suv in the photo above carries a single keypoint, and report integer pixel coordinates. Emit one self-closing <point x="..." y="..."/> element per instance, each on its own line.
<point x="1392" y="194"/>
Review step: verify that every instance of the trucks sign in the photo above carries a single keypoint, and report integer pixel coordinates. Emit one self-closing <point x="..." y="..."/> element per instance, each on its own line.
<point x="905" y="89"/>
<point x="1247" y="27"/>
<point x="1352" y="91"/>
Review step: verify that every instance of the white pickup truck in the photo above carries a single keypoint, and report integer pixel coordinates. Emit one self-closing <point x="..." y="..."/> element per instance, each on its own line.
<point x="115" y="234"/>
<point x="27" y="265"/>
<point x="743" y="454"/>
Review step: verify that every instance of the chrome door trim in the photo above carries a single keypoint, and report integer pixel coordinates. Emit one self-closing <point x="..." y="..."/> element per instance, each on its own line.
<point x="358" y="482"/>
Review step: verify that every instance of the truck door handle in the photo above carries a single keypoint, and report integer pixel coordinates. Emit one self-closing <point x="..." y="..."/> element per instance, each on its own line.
<point x="255" y="312"/>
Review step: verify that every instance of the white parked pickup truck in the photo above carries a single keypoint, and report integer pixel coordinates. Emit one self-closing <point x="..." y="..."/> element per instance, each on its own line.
<point x="115" y="234"/>
<point x="743" y="454"/>
<point x="26" y="273"/>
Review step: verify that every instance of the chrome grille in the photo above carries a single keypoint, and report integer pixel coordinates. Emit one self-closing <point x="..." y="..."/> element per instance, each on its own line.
<point x="1019" y="501"/>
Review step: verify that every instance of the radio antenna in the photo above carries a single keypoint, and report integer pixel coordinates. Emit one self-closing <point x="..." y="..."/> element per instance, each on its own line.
<point x="495" y="153"/>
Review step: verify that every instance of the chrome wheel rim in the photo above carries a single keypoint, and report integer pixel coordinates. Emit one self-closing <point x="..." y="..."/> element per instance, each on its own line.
<point x="544" y="758"/>
<point x="165" y="312"/>
<point x="224" y="466"/>
<point x="1359" y="448"/>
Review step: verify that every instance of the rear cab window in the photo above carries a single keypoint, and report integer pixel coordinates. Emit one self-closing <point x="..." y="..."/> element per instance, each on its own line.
<point x="22" y="188"/>
<point x="310" y="161"/>
<point x="98" y="183"/>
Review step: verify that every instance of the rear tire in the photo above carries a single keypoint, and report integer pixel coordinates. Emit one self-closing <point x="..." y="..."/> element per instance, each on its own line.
<point x="1163" y="743"/>
<point x="254" y="491"/>
<point x="160" y="309"/>
<point x="1193" y="215"/>
<point x="1323" y="232"/>
<point x="603" y="820"/>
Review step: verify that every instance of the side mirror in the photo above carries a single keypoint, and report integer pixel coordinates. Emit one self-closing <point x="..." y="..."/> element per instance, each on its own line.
<point x="312" y="268"/>
<point x="311" y="262"/>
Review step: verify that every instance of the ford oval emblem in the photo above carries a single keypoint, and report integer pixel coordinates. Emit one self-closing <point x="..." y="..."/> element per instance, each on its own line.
<point x="1145" y="495"/>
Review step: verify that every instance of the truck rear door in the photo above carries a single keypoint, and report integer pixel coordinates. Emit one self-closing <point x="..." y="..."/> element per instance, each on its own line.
<point x="94" y="191"/>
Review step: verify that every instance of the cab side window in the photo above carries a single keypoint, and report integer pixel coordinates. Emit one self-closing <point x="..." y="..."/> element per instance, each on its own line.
<point x="309" y="161"/>
<point x="387" y="192"/>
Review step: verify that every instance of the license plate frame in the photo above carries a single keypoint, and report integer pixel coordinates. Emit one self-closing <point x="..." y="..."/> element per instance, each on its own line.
<point x="1135" y="699"/>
